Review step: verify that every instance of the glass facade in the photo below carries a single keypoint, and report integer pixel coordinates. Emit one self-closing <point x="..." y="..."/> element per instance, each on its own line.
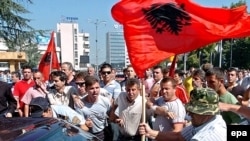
<point x="116" y="52"/>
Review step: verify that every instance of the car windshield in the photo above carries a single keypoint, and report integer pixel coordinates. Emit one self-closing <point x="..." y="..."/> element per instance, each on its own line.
<point x="40" y="129"/>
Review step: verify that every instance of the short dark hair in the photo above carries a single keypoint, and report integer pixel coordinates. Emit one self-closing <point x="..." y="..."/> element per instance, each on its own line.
<point x="106" y="65"/>
<point x="233" y="69"/>
<point x="218" y="72"/>
<point x="81" y="74"/>
<point x="169" y="79"/>
<point x="157" y="67"/>
<point x="200" y="73"/>
<point x="62" y="76"/>
<point x="165" y="70"/>
<point x="26" y="67"/>
<point x="179" y="72"/>
<point x="90" y="80"/>
<point x="17" y="74"/>
<point x="132" y="82"/>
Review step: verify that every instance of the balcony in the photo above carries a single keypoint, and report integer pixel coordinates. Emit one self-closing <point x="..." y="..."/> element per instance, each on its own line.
<point x="86" y="43"/>
<point x="86" y="50"/>
<point x="85" y="34"/>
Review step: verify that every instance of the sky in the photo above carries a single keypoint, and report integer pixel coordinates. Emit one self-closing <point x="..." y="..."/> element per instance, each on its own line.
<point x="45" y="14"/>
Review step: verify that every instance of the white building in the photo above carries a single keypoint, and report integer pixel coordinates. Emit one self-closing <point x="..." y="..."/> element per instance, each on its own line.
<point x="74" y="45"/>
<point x="71" y="45"/>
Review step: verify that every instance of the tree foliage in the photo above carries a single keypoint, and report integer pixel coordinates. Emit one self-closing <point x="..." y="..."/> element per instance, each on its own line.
<point x="15" y="30"/>
<point x="238" y="50"/>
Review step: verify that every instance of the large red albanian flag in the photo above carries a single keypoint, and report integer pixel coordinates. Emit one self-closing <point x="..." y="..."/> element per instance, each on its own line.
<point x="157" y="29"/>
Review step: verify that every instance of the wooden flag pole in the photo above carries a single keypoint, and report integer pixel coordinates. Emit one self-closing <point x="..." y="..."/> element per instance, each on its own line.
<point x="51" y="59"/>
<point x="143" y="119"/>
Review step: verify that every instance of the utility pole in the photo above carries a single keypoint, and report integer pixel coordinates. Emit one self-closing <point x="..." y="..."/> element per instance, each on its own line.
<point x="231" y="52"/>
<point x="97" y="23"/>
<point x="220" y="51"/>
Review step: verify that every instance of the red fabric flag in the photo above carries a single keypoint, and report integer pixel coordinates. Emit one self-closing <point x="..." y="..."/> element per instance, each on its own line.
<point x="157" y="29"/>
<point x="49" y="60"/>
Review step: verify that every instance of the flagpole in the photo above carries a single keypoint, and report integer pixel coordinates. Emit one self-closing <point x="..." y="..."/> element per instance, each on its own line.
<point x="143" y="107"/>
<point x="50" y="64"/>
<point x="172" y="67"/>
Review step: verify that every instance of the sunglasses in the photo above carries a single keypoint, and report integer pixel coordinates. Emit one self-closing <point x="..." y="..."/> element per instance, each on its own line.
<point x="81" y="84"/>
<point x="106" y="72"/>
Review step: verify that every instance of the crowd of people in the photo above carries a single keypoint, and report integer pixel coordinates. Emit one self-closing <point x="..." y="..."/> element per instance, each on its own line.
<point x="197" y="105"/>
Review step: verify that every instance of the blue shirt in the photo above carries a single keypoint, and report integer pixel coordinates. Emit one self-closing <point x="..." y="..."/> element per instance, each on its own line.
<point x="97" y="112"/>
<point x="113" y="87"/>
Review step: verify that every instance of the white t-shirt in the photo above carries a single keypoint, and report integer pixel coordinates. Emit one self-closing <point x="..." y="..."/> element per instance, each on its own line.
<point x="162" y="123"/>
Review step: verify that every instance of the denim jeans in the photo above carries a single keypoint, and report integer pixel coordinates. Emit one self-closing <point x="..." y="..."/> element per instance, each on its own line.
<point x="115" y="130"/>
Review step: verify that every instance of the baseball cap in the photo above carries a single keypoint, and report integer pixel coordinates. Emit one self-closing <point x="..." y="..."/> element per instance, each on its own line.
<point x="203" y="101"/>
<point x="37" y="106"/>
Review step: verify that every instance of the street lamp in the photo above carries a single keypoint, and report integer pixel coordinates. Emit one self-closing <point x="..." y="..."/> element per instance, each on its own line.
<point x="220" y="52"/>
<point x="97" y="22"/>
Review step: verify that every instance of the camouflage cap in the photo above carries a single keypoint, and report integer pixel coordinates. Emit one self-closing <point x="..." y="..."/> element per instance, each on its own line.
<point x="203" y="101"/>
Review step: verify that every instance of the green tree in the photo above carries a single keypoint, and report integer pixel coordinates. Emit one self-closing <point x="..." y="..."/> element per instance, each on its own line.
<point x="197" y="57"/>
<point x="33" y="55"/>
<point x="240" y="52"/>
<point x="15" y="30"/>
<point x="237" y="4"/>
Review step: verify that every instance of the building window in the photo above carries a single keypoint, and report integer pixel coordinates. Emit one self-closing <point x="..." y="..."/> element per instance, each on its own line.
<point x="85" y="38"/>
<point x="85" y="46"/>
<point x="75" y="31"/>
<point x="76" y="54"/>
<point x="76" y="61"/>
<point x="76" y="47"/>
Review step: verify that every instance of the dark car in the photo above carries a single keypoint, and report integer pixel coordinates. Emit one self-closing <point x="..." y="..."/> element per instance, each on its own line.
<point x="40" y="129"/>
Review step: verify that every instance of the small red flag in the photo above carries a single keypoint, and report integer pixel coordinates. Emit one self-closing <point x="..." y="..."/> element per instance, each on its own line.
<point x="49" y="60"/>
<point x="157" y="29"/>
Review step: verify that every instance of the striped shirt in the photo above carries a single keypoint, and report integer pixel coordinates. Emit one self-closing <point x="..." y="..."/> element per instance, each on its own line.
<point x="56" y="98"/>
<point x="213" y="130"/>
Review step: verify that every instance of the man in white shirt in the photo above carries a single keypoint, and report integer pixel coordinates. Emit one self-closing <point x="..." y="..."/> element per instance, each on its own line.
<point x="171" y="103"/>
<point x="129" y="106"/>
